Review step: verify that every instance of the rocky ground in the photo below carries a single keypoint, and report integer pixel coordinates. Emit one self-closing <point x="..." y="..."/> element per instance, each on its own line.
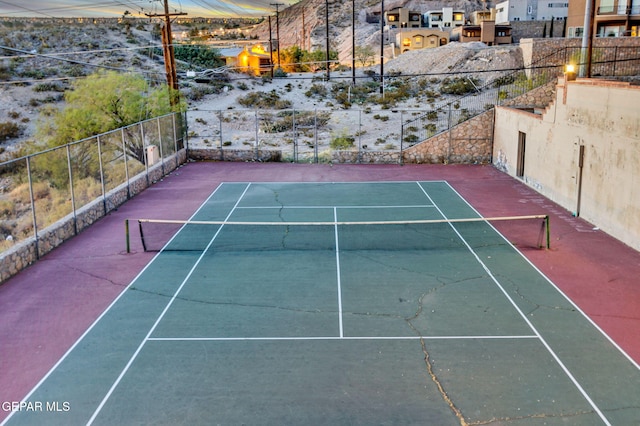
<point x="33" y="82"/>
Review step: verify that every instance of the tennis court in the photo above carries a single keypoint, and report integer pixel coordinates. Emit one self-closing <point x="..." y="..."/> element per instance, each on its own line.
<point x="338" y="303"/>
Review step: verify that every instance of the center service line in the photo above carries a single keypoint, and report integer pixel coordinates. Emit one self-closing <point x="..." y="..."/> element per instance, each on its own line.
<point x="335" y="227"/>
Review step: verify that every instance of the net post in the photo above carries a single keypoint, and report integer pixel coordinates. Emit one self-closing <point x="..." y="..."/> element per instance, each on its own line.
<point x="546" y="225"/>
<point x="144" y="245"/>
<point x="126" y="233"/>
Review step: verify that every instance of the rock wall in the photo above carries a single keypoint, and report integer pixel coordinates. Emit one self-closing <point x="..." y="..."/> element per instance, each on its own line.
<point x="467" y="143"/>
<point x="28" y="251"/>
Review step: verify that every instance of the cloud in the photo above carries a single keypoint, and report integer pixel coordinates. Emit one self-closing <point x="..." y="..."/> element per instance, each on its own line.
<point x="137" y="8"/>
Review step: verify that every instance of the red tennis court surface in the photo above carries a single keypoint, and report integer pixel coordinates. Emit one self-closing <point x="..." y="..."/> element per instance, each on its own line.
<point x="47" y="307"/>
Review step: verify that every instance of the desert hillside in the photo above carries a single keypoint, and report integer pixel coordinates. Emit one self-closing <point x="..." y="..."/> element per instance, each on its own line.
<point x="45" y="58"/>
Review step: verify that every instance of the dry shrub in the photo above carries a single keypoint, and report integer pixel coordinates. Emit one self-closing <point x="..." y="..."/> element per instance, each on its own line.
<point x="7" y="208"/>
<point x="86" y="190"/>
<point x="21" y="193"/>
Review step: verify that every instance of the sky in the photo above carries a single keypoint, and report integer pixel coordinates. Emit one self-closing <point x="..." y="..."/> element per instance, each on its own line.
<point x="138" y="8"/>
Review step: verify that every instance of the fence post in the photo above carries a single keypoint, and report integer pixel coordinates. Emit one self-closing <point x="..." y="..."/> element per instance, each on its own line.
<point x="220" y="124"/>
<point x="401" y="135"/>
<point x="144" y="153"/>
<point x="126" y="163"/>
<point x="102" y="183"/>
<point x="449" y="130"/>
<point x="175" y="138"/>
<point x="33" y="207"/>
<point x="73" y="198"/>
<point x="160" y="147"/>
<point x="257" y="136"/>
<point x="359" y="136"/>
<point x="295" y="136"/>
<point x="315" y="135"/>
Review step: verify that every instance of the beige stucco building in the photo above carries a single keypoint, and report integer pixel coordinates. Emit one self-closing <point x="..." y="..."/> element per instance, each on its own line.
<point x="582" y="151"/>
<point x="424" y="38"/>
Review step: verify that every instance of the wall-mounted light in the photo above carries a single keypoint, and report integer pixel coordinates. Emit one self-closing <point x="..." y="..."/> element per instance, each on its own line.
<point x="569" y="72"/>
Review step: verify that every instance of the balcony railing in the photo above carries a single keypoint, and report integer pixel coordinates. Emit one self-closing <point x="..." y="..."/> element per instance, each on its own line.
<point x="621" y="9"/>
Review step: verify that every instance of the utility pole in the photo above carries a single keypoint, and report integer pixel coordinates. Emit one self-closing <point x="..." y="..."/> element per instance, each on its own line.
<point x="326" y="18"/>
<point x="587" y="40"/>
<point x="277" y="6"/>
<point x="353" y="41"/>
<point x="382" y="47"/>
<point x="304" y="33"/>
<point x="270" y="48"/>
<point x="168" y="52"/>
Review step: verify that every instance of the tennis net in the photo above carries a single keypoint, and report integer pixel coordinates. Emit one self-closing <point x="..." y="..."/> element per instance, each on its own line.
<point x="193" y="235"/>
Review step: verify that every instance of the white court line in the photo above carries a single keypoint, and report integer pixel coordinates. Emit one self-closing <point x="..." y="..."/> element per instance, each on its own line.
<point x="311" y="338"/>
<point x="91" y="327"/>
<point x="524" y="317"/>
<point x="338" y="272"/>
<point x="577" y="308"/>
<point x="173" y="298"/>
<point x="336" y="207"/>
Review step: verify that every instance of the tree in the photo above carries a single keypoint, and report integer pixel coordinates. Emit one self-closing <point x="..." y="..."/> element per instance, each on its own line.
<point x="364" y="55"/>
<point x="199" y="56"/>
<point x="316" y="60"/>
<point x="100" y="103"/>
<point x="106" y="101"/>
<point x="291" y="59"/>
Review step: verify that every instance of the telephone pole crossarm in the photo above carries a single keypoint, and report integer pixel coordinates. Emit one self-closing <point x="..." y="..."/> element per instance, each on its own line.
<point x="167" y="48"/>
<point x="277" y="6"/>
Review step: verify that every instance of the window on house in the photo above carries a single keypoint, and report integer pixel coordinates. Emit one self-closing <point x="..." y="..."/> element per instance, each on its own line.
<point x="606" y="6"/>
<point x="575" y="31"/>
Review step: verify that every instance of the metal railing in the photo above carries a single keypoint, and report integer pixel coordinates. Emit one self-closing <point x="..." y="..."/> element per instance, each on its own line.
<point x="50" y="185"/>
<point x="612" y="62"/>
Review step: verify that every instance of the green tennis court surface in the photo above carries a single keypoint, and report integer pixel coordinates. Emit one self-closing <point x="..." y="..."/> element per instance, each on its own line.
<point x="332" y="323"/>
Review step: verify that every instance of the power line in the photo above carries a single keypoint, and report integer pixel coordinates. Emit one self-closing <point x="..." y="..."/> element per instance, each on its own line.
<point x="80" y="8"/>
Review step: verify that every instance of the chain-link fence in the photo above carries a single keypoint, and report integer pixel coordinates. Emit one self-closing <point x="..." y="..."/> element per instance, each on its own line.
<point x="298" y="135"/>
<point x="83" y="180"/>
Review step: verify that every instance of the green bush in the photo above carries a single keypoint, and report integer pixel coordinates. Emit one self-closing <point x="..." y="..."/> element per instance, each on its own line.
<point x="199" y="55"/>
<point x="411" y="139"/>
<point x="264" y="100"/>
<point x="318" y="90"/>
<point x="342" y="142"/>
<point x="458" y="85"/>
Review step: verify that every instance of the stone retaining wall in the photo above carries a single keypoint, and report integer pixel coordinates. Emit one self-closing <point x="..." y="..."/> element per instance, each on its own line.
<point x="216" y="154"/>
<point x="467" y="143"/>
<point x="24" y="253"/>
<point x="539" y="97"/>
<point x="551" y="51"/>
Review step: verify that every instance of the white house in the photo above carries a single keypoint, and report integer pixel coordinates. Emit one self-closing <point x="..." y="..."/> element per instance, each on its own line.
<point x="531" y="10"/>
<point x="444" y="19"/>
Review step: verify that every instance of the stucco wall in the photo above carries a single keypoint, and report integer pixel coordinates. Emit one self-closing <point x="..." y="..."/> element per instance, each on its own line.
<point x="604" y="118"/>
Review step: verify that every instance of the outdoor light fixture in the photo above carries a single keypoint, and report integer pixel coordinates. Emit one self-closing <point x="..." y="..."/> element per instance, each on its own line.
<point x="569" y="72"/>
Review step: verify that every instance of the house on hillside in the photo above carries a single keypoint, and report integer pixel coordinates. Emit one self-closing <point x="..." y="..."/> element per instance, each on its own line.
<point x="613" y="18"/>
<point x="483" y="28"/>
<point x="402" y="18"/>
<point x="528" y="10"/>
<point x="423" y="38"/>
<point x="230" y="56"/>
<point x="444" y="19"/>
<point x="252" y="60"/>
